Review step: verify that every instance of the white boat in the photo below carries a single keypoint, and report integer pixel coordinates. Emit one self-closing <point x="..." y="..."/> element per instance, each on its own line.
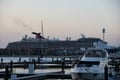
<point x="91" y="66"/>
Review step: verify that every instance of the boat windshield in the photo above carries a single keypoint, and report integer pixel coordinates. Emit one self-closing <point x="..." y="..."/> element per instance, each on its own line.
<point x="96" y="53"/>
<point x="84" y="65"/>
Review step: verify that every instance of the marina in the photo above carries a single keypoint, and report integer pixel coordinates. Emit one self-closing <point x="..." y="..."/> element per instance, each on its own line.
<point x="44" y="59"/>
<point x="46" y="69"/>
<point x="59" y="40"/>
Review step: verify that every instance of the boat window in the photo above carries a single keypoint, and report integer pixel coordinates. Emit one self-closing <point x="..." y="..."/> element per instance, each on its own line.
<point x="96" y="53"/>
<point x="84" y="65"/>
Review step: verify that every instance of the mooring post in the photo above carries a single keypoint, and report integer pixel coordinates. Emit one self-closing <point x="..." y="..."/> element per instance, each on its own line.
<point x="6" y="72"/>
<point x="1" y="60"/>
<point x="63" y="65"/>
<point x="57" y="59"/>
<point x="115" y="64"/>
<point x="34" y="63"/>
<point x="117" y="67"/>
<point x="106" y="72"/>
<point x="70" y="58"/>
<point x="11" y="66"/>
<point x="25" y="64"/>
<point x="39" y="60"/>
<point x="19" y="59"/>
<point x="52" y="58"/>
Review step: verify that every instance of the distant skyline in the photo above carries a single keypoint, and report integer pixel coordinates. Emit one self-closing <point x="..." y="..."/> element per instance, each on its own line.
<point x="61" y="19"/>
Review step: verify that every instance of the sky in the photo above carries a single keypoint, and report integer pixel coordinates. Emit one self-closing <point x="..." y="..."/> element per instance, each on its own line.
<point x="61" y="19"/>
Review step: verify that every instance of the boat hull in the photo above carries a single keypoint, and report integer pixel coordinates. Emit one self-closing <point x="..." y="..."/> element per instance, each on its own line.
<point x="88" y="76"/>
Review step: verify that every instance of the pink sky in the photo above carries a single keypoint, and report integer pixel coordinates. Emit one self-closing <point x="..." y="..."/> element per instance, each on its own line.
<point x="61" y="18"/>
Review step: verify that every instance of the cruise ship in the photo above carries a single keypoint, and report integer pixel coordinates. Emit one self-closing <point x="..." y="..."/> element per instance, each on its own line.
<point x="40" y="45"/>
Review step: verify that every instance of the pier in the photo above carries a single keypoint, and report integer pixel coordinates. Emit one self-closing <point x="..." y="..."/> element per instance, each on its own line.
<point x="56" y="62"/>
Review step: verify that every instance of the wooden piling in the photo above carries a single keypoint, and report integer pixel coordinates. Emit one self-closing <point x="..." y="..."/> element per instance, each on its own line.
<point x="11" y="66"/>
<point x="1" y="60"/>
<point x="34" y="63"/>
<point x="106" y="72"/>
<point x="52" y="58"/>
<point x="6" y="72"/>
<point x="39" y="60"/>
<point x="25" y="64"/>
<point x="63" y="66"/>
<point x="19" y="59"/>
<point x="117" y="67"/>
<point x="57" y="59"/>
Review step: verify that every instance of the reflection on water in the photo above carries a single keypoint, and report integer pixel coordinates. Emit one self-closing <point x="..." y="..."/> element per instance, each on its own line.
<point x="39" y="71"/>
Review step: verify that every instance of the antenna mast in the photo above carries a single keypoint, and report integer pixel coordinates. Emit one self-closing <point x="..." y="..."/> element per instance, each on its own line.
<point x="103" y="31"/>
<point x="42" y="28"/>
<point x="42" y="50"/>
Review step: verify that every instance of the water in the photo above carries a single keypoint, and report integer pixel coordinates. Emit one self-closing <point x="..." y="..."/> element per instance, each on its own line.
<point x="38" y="71"/>
<point x="16" y="59"/>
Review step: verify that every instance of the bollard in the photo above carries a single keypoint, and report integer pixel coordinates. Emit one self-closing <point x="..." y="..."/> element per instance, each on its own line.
<point x="6" y="72"/>
<point x="106" y="72"/>
<point x="11" y="66"/>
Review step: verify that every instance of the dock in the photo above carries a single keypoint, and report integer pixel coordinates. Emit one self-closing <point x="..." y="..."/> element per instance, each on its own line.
<point x="60" y="64"/>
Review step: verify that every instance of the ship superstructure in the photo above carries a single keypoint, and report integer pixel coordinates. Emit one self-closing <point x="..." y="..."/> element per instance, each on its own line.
<point x="50" y="46"/>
